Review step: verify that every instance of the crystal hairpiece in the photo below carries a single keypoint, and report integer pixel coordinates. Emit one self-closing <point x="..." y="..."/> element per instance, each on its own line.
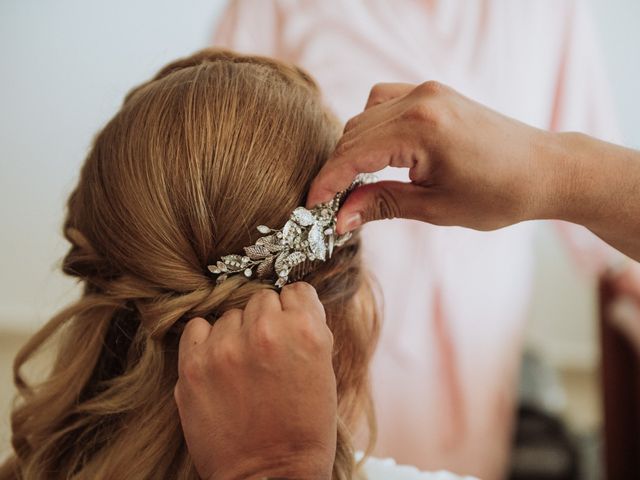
<point x="308" y="235"/>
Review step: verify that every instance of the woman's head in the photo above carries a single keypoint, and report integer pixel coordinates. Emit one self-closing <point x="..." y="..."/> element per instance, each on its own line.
<point x="214" y="145"/>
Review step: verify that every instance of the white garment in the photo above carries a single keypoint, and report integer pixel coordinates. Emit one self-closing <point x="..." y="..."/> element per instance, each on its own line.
<point x="388" y="469"/>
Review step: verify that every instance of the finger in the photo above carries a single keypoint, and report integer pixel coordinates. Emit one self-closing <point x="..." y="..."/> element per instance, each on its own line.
<point x="383" y="200"/>
<point x="302" y="297"/>
<point x="372" y="117"/>
<point x="383" y="92"/>
<point x="368" y="152"/>
<point x="263" y="302"/>
<point x="195" y="333"/>
<point x="332" y="178"/>
<point x="230" y="322"/>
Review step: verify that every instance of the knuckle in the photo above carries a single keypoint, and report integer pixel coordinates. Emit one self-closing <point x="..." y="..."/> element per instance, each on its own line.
<point x="260" y="297"/>
<point x="376" y="94"/>
<point x="192" y="327"/>
<point x="424" y="108"/>
<point x="264" y="335"/>
<point x="300" y="286"/>
<point x="341" y="149"/>
<point x="312" y="334"/>
<point x="429" y="88"/>
<point x="422" y="112"/>
<point x="313" y="337"/>
<point x="305" y="319"/>
<point x="264" y="293"/>
<point x="229" y="314"/>
<point x="226" y="354"/>
<point x="351" y="124"/>
<point x="192" y="370"/>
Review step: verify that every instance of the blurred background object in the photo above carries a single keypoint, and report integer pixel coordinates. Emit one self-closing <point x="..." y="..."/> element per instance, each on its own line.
<point x="620" y="380"/>
<point x="66" y="67"/>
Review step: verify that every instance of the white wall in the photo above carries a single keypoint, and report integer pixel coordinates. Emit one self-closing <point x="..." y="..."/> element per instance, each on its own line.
<point x="618" y="23"/>
<point x="65" y="66"/>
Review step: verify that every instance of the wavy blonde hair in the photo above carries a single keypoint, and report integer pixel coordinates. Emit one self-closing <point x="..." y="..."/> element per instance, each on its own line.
<point x="214" y="145"/>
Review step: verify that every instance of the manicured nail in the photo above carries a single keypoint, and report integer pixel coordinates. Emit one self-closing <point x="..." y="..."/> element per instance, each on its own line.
<point x="353" y="221"/>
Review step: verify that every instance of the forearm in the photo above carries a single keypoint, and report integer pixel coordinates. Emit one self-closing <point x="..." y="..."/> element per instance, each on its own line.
<point x="597" y="184"/>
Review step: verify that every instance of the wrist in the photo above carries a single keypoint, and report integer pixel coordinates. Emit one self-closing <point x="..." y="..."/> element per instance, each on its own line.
<point x="559" y="172"/>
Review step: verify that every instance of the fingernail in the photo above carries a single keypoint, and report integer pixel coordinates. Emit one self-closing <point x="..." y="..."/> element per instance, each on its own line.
<point x="353" y="221"/>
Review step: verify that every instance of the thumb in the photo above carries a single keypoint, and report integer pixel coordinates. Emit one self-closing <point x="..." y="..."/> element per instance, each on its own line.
<point x="382" y="200"/>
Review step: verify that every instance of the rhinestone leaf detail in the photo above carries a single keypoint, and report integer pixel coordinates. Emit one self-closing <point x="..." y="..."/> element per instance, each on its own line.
<point x="308" y="235"/>
<point x="303" y="217"/>
<point x="271" y="243"/>
<point x="257" y="252"/>
<point x="265" y="268"/>
<point x="316" y="242"/>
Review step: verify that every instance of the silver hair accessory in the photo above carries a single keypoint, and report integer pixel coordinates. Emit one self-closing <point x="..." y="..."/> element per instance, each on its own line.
<point x="308" y="235"/>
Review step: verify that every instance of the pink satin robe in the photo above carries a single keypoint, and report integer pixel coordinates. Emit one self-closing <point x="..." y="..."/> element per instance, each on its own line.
<point x="455" y="300"/>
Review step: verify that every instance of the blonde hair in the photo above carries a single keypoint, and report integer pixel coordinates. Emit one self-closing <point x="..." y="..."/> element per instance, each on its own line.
<point x="214" y="145"/>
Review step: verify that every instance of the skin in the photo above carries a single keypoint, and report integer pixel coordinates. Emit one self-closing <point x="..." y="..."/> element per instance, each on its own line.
<point x="256" y="393"/>
<point x="256" y="390"/>
<point x="473" y="167"/>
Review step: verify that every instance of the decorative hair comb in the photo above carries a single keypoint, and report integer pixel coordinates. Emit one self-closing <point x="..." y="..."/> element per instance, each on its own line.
<point x="308" y="235"/>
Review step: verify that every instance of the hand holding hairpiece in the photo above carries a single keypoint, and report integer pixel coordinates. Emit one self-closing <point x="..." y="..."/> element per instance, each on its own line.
<point x="308" y="235"/>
